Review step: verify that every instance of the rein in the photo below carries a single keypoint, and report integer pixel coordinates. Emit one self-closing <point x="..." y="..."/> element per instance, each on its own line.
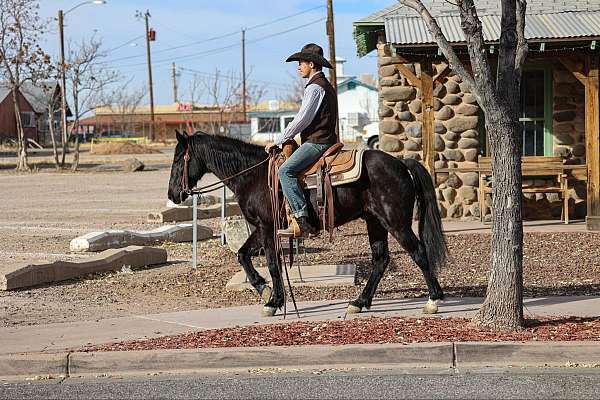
<point x="212" y="186"/>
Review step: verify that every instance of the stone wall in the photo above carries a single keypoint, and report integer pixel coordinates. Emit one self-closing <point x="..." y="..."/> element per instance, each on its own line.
<point x="456" y="135"/>
<point x="457" y="141"/>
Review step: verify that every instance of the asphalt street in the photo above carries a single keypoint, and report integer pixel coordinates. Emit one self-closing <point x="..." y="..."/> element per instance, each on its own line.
<point x="567" y="383"/>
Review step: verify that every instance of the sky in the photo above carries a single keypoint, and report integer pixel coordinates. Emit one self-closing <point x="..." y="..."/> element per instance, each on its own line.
<point x="207" y="36"/>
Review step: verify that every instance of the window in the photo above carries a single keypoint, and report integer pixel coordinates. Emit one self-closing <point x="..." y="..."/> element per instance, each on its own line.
<point x="532" y="115"/>
<point x="268" y="125"/>
<point x="286" y="121"/>
<point x="28" y="119"/>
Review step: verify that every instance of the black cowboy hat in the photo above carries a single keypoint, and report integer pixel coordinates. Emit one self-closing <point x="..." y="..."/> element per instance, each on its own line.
<point x="310" y="52"/>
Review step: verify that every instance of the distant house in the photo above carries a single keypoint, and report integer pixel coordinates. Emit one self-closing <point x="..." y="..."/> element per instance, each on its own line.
<point x="33" y="103"/>
<point x="358" y="101"/>
<point x="134" y="121"/>
<point x="269" y="118"/>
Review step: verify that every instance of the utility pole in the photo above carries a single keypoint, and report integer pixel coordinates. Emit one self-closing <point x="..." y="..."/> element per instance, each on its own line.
<point x="244" y="72"/>
<point x="63" y="90"/>
<point x="332" y="71"/>
<point x="174" y="75"/>
<point x="148" y="38"/>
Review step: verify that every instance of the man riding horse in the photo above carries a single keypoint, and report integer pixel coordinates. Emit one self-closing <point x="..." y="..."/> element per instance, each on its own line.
<point x="315" y="122"/>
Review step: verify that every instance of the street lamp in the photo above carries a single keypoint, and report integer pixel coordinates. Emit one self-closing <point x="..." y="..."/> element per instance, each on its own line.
<point x="63" y="92"/>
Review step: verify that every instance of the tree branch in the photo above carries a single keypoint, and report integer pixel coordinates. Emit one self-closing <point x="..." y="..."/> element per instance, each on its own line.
<point x="455" y="64"/>
<point x="522" y="46"/>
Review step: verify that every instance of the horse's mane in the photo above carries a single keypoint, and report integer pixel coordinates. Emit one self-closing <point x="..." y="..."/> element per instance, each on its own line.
<point x="226" y="154"/>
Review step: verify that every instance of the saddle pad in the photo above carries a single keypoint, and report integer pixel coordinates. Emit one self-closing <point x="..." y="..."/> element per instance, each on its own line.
<point x="342" y="162"/>
<point x="341" y="175"/>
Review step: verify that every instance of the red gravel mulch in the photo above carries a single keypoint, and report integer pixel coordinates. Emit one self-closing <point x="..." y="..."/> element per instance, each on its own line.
<point x="364" y="331"/>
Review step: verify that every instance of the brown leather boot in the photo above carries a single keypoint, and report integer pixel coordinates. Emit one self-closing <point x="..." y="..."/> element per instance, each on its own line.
<point x="298" y="227"/>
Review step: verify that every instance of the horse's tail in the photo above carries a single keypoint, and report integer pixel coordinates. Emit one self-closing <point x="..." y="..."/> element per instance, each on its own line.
<point x="430" y="222"/>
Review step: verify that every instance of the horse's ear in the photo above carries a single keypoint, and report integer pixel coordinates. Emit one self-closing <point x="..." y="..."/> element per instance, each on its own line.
<point x="180" y="138"/>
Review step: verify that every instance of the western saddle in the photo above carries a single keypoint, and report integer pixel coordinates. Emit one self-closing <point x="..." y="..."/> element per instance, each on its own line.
<point x="334" y="167"/>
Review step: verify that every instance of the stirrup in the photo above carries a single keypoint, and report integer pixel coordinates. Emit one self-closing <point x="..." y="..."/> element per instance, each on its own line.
<point x="292" y="231"/>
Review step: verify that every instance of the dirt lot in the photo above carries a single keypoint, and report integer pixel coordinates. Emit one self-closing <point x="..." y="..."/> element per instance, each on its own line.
<point x="40" y="213"/>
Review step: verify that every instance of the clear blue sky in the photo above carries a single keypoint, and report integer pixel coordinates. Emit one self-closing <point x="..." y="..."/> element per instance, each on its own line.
<point x="183" y="22"/>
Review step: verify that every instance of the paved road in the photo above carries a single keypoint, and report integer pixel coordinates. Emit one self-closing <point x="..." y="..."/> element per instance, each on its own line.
<point x="379" y="384"/>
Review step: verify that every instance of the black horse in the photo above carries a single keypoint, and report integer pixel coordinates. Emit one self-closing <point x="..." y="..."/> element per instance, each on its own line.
<point x="384" y="197"/>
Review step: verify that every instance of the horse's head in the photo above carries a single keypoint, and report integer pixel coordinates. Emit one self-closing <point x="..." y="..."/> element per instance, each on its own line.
<point x="182" y="174"/>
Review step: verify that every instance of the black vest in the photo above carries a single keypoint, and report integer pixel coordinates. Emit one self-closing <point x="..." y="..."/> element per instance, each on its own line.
<point x="322" y="128"/>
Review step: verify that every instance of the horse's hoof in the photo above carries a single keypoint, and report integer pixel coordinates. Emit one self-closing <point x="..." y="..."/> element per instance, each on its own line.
<point x="431" y="307"/>
<point x="268" y="311"/>
<point x="353" y="309"/>
<point x="266" y="294"/>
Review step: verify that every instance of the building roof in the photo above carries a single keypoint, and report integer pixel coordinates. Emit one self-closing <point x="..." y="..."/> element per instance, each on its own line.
<point x="343" y="84"/>
<point x="173" y="108"/>
<point x="546" y="19"/>
<point x="566" y="25"/>
<point x="38" y="95"/>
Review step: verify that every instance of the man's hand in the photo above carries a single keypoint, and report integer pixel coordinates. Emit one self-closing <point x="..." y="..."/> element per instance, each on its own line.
<point x="270" y="146"/>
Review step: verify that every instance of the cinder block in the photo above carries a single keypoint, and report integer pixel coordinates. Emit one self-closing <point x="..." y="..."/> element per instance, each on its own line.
<point x="185" y="213"/>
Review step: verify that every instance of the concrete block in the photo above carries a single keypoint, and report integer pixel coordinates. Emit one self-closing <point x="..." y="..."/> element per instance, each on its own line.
<point x="237" y="230"/>
<point x="112" y="239"/>
<point x="185" y="213"/>
<point x="108" y="260"/>
<point x="309" y="275"/>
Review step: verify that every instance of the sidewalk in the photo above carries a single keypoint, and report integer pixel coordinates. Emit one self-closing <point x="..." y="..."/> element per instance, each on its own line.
<point x="56" y="337"/>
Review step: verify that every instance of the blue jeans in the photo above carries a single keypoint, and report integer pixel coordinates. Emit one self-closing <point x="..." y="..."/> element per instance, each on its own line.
<point x="299" y="162"/>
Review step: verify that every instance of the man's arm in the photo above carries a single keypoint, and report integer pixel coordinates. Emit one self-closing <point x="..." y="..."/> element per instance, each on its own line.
<point x="313" y="97"/>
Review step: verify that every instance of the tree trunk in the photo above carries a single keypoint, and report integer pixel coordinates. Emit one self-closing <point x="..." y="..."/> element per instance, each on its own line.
<point x="22" y="163"/>
<point x="75" y="163"/>
<point x="52" y="138"/>
<point x="503" y="306"/>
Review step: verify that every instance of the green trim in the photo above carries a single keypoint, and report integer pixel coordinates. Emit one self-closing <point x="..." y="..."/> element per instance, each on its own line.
<point x="365" y="37"/>
<point x="548" y="100"/>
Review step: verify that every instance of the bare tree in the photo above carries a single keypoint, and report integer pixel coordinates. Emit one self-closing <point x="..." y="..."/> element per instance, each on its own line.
<point x="196" y="91"/>
<point x="87" y="80"/>
<point x="21" y="57"/>
<point x="222" y="90"/>
<point x="499" y="99"/>
<point x="295" y="91"/>
<point x="122" y="101"/>
<point x="47" y="94"/>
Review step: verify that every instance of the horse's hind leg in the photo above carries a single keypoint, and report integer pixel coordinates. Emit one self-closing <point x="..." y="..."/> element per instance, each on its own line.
<point x="415" y="248"/>
<point x="378" y="239"/>
<point x="245" y="259"/>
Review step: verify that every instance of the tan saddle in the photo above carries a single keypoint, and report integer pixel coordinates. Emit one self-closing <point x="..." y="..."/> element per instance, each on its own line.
<point x="333" y="168"/>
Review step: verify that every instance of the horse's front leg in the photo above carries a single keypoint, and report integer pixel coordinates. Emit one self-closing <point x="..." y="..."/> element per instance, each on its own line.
<point x="273" y="260"/>
<point x="245" y="259"/>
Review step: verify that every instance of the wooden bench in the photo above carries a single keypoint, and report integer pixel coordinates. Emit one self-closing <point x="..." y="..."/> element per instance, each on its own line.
<point x="531" y="167"/>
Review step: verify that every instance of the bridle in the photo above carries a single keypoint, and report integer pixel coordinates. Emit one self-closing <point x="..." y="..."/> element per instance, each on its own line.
<point x="185" y="189"/>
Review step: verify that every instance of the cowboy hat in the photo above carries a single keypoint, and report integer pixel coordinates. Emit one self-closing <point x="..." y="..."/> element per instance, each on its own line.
<point x="310" y="52"/>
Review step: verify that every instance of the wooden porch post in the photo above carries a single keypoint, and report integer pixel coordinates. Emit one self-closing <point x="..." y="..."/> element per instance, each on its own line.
<point x="592" y="144"/>
<point x="427" y="109"/>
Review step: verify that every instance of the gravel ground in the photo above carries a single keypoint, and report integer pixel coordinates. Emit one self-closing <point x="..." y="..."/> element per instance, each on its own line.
<point x="555" y="264"/>
<point x="366" y="331"/>
<point x="39" y="224"/>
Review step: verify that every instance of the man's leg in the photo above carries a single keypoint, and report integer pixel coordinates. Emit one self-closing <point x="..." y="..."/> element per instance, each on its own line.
<point x="299" y="161"/>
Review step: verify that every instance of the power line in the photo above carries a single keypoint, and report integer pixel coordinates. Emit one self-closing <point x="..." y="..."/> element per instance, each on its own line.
<point x="218" y="49"/>
<point x="217" y="37"/>
<point x="124" y="44"/>
<point x="232" y="78"/>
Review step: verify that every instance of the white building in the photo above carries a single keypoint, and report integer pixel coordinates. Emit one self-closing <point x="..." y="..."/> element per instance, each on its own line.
<point x="358" y="102"/>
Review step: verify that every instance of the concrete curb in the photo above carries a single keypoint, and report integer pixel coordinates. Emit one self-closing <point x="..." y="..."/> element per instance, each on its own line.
<point x="418" y="355"/>
<point x="32" y="364"/>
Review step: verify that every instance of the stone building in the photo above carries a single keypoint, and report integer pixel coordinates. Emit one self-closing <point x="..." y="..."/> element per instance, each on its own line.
<point x="559" y="91"/>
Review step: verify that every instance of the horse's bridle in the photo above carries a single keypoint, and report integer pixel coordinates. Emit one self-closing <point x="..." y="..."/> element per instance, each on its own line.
<point x="185" y="189"/>
<point x="185" y="178"/>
